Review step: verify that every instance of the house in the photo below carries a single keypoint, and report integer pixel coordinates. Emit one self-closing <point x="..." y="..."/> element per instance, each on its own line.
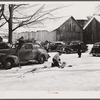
<point x="69" y="30"/>
<point x="91" y="32"/>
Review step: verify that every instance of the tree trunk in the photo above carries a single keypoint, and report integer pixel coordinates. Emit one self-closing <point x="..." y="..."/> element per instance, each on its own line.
<point x="10" y="23"/>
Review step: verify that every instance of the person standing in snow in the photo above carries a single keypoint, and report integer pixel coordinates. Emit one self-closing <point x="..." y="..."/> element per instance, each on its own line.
<point x="20" y="42"/>
<point x="1" y="39"/>
<point x="47" y="46"/>
<point x="79" y="50"/>
<point x="56" y="61"/>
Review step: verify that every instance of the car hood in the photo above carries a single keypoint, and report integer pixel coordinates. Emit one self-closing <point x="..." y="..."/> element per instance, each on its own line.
<point x="7" y="51"/>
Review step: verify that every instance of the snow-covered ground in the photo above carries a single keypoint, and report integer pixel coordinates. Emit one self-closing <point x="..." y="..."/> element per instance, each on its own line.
<point x="84" y="75"/>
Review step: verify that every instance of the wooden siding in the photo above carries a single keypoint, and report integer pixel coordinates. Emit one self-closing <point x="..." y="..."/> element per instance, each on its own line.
<point x="92" y="32"/>
<point x="69" y="31"/>
<point x="82" y="23"/>
<point x="39" y="35"/>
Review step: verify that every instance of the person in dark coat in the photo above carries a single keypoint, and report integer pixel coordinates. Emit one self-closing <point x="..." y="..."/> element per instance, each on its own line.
<point x="21" y="41"/>
<point x="79" y="50"/>
<point x="1" y="39"/>
<point x="47" y="45"/>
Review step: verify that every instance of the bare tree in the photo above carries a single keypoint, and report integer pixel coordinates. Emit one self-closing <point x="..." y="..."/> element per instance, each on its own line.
<point x="16" y="22"/>
<point x="2" y="22"/>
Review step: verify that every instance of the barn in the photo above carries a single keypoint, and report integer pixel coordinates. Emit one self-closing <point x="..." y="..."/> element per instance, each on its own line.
<point x="91" y="31"/>
<point x="69" y="30"/>
<point x="64" y="29"/>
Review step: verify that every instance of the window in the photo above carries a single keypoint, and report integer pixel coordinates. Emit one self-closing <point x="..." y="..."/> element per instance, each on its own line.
<point x="28" y="46"/>
<point x="23" y="47"/>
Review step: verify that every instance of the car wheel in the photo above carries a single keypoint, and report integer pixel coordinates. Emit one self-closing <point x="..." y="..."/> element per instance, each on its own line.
<point x="8" y="64"/>
<point x="41" y="59"/>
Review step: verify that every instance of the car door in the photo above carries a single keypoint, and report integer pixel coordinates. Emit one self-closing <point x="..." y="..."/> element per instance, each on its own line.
<point x="26" y="52"/>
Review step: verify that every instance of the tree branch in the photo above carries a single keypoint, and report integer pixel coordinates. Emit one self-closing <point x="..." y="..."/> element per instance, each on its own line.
<point x="38" y="17"/>
<point x="3" y="24"/>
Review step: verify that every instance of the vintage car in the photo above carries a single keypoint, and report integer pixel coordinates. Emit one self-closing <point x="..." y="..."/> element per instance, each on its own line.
<point x="28" y="52"/>
<point x="4" y="45"/>
<point x="73" y="45"/>
<point x="60" y="45"/>
<point x="95" y="51"/>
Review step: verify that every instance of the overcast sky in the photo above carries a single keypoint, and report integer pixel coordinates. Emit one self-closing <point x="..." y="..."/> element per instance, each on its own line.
<point x="77" y="9"/>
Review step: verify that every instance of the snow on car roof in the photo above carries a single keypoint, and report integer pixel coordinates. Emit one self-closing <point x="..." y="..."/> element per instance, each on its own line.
<point x="59" y="42"/>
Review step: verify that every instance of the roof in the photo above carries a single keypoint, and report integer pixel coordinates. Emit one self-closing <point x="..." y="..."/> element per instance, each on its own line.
<point x="49" y="25"/>
<point x="55" y="25"/>
<point x="94" y="17"/>
<point x="81" y="18"/>
<point x="52" y="25"/>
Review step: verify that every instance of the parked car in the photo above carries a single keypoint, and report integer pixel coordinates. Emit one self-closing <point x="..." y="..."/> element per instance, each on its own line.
<point x="4" y="45"/>
<point x="95" y="51"/>
<point x="60" y="45"/>
<point x="73" y="45"/>
<point x="27" y="53"/>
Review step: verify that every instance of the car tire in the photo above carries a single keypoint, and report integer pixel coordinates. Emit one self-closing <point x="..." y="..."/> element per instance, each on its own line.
<point x="41" y="59"/>
<point x="8" y="64"/>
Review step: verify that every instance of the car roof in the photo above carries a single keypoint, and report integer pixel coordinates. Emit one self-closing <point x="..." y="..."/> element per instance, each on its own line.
<point x="77" y="41"/>
<point x="28" y="43"/>
<point x="31" y="43"/>
<point x="59" y="42"/>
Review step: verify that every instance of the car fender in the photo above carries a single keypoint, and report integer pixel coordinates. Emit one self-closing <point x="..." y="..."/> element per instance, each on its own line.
<point x="40" y="53"/>
<point x="15" y="58"/>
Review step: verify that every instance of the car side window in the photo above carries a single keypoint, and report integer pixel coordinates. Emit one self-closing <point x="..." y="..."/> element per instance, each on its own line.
<point x="28" y="46"/>
<point x="23" y="47"/>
